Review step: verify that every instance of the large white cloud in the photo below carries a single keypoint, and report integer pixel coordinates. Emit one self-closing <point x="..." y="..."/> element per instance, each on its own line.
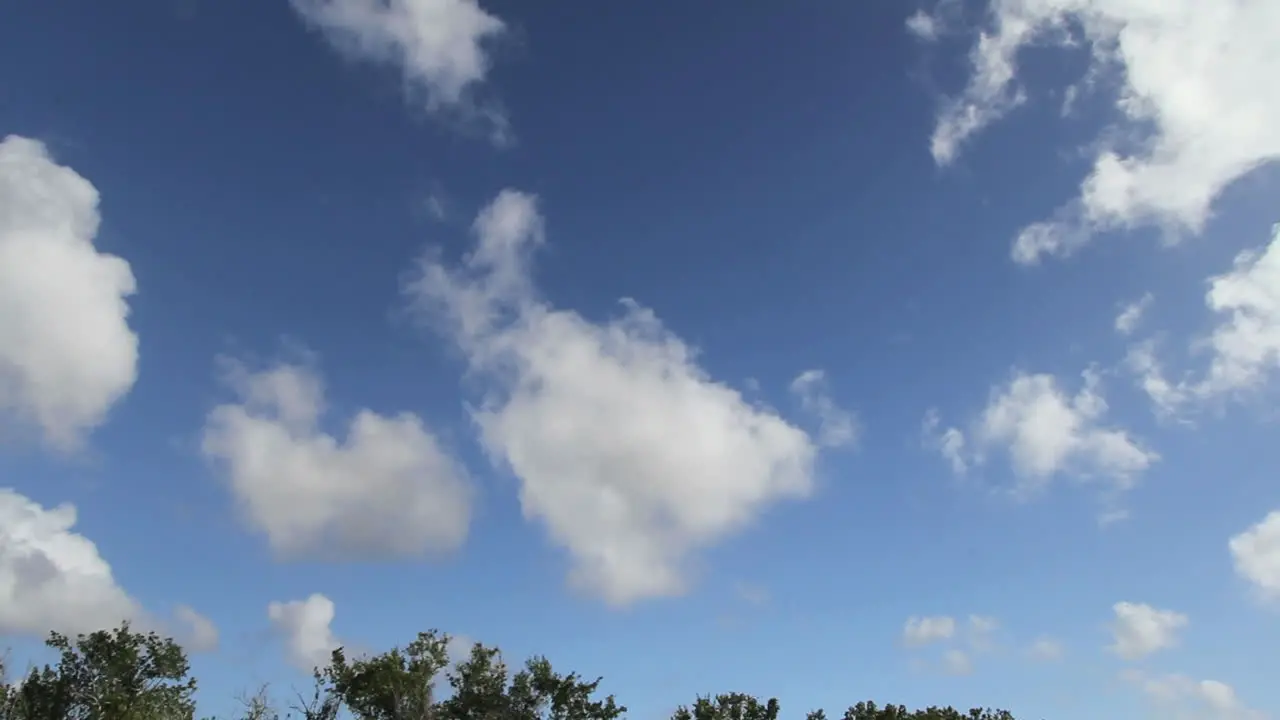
<point x="386" y="489"/>
<point x="439" y="45"/>
<point x="1045" y="433"/>
<point x="1256" y="554"/>
<point x="52" y="578"/>
<point x="67" y="353"/>
<point x="625" y="449"/>
<point x="1243" y="349"/>
<point x="1194" y="91"/>
<point x="1140" y="630"/>
<point x="304" y="626"/>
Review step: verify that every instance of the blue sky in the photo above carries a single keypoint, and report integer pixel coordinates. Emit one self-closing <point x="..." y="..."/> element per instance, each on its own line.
<point x="705" y="347"/>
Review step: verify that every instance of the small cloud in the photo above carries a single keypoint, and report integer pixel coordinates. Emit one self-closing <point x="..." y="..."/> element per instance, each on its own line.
<point x="386" y="489"/>
<point x="836" y="426"/>
<point x="198" y="632"/>
<point x="1255" y="553"/>
<point x="1046" y="650"/>
<point x="436" y="207"/>
<point x="925" y="630"/>
<point x="441" y="47"/>
<point x="923" y="26"/>
<point x="1182" y="697"/>
<point x="1131" y="315"/>
<point x="957" y="662"/>
<point x="304" y="625"/>
<point x="1141" y="630"/>
<point x="1046" y="433"/>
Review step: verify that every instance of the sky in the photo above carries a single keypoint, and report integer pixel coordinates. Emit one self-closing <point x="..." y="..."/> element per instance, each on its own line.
<point x="921" y="351"/>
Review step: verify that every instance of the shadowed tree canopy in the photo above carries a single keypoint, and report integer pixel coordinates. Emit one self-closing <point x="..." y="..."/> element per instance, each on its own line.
<point x="125" y="675"/>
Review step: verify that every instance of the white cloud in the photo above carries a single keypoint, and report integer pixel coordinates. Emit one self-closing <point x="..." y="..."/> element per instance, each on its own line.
<point x="836" y="426"/>
<point x="439" y="45"/>
<point x="1193" y="95"/>
<point x="1045" y="433"/>
<point x="1131" y="315"/>
<point x="957" y="662"/>
<point x="67" y="353"/>
<point x="1245" y="345"/>
<point x="1243" y="348"/>
<point x="923" y="26"/>
<point x="1046" y="650"/>
<point x="304" y="626"/>
<point x="1182" y="698"/>
<point x="925" y="630"/>
<point x="386" y="489"/>
<point x="1140" y="630"/>
<point x="1256" y="554"/>
<point x="1167" y="398"/>
<point x="625" y="449"/>
<point x="52" y="578"/>
<point x="949" y="443"/>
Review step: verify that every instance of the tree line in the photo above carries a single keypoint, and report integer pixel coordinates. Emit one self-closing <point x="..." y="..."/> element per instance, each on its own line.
<point x="121" y="674"/>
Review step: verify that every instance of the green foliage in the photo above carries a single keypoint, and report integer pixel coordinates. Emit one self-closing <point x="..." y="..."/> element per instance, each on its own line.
<point x="106" y="675"/>
<point x="737" y="706"/>
<point x="123" y="675"/>
<point x="410" y="684"/>
<point x="730" y="706"/>
<point x="869" y="711"/>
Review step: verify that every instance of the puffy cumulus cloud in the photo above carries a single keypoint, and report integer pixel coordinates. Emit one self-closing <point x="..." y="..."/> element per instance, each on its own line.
<point x="836" y="426"/>
<point x="52" y="578"/>
<point x="1131" y="315"/>
<point x="1243" y="348"/>
<point x="304" y="627"/>
<point x="1045" y="433"/>
<point x="1191" y="93"/>
<point x="925" y="630"/>
<point x="67" y="353"/>
<point x="1256" y="555"/>
<point x="1140" y="630"/>
<point x="386" y="489"/>
<point x="439" y="45"/>
<point x="625" y="449"/>
<point x="1183" y="698"/>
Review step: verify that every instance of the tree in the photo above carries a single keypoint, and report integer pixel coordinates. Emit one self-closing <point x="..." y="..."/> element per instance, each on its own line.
<point x="730" y="706"/>
<point x="124" y="675"/>
<point x="106" y="675"/>
<point x="410" y="684"/>
<point x="738" y="706"/>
